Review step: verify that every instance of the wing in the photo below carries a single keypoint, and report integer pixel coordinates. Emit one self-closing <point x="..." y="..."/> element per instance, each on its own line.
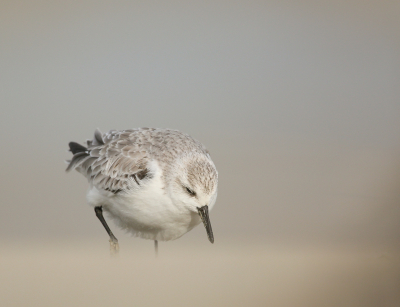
<point x="115" y="161"/>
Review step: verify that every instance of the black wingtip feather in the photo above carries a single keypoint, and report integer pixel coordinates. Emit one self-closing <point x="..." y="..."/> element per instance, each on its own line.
<point x="76" y="148"/>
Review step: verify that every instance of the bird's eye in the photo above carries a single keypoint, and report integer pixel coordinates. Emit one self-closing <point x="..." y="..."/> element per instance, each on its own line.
<point x="191" y="193"/>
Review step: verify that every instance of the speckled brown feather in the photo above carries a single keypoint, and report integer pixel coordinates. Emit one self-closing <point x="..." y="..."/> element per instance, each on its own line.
<point x="117" y="160"/>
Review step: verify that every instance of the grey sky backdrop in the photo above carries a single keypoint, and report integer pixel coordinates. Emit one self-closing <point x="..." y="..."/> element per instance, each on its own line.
<point x="298" y="102"/>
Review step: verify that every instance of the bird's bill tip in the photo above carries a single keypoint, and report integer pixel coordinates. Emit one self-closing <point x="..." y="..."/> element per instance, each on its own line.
<point x="203" y="212"/>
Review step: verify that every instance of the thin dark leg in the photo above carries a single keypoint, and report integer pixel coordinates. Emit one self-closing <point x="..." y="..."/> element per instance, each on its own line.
<point x="113" y="240"/>
<point x="156" y="247"/>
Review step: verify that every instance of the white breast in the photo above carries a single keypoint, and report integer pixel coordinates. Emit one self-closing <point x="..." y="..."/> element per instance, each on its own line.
<point x="147" y="211"/>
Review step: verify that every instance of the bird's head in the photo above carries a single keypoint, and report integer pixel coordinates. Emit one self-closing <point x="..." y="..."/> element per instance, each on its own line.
<point x="195" y="186"/>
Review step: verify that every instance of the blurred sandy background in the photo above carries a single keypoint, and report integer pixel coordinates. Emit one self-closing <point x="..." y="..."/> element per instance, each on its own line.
<point x="299" y="104"/>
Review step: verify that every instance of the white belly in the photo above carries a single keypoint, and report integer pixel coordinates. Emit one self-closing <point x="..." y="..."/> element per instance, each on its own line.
<point x="146" y="212"/>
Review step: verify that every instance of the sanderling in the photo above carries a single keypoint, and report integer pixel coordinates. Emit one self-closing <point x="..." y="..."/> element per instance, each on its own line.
<point x="154" y="183"/>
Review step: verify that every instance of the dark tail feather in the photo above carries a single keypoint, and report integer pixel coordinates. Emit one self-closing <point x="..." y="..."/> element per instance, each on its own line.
<point x="76" y="148"/>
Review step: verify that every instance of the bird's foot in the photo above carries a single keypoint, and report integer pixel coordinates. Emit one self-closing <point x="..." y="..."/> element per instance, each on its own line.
<point x="114" y="247"/>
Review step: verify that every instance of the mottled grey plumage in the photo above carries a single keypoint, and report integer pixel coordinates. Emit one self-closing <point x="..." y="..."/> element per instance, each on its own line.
<point x="114" y="160"/>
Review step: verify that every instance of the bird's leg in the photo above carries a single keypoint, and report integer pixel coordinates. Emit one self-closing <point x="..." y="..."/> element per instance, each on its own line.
<point x="156" y="247"/>
<point x="114" y="247"/>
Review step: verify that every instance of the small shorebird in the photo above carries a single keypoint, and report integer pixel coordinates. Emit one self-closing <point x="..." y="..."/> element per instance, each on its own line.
<point x="154" y="183"/>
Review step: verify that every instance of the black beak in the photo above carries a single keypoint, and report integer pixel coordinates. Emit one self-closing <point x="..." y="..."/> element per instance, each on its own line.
<point x="203" y="212"/>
